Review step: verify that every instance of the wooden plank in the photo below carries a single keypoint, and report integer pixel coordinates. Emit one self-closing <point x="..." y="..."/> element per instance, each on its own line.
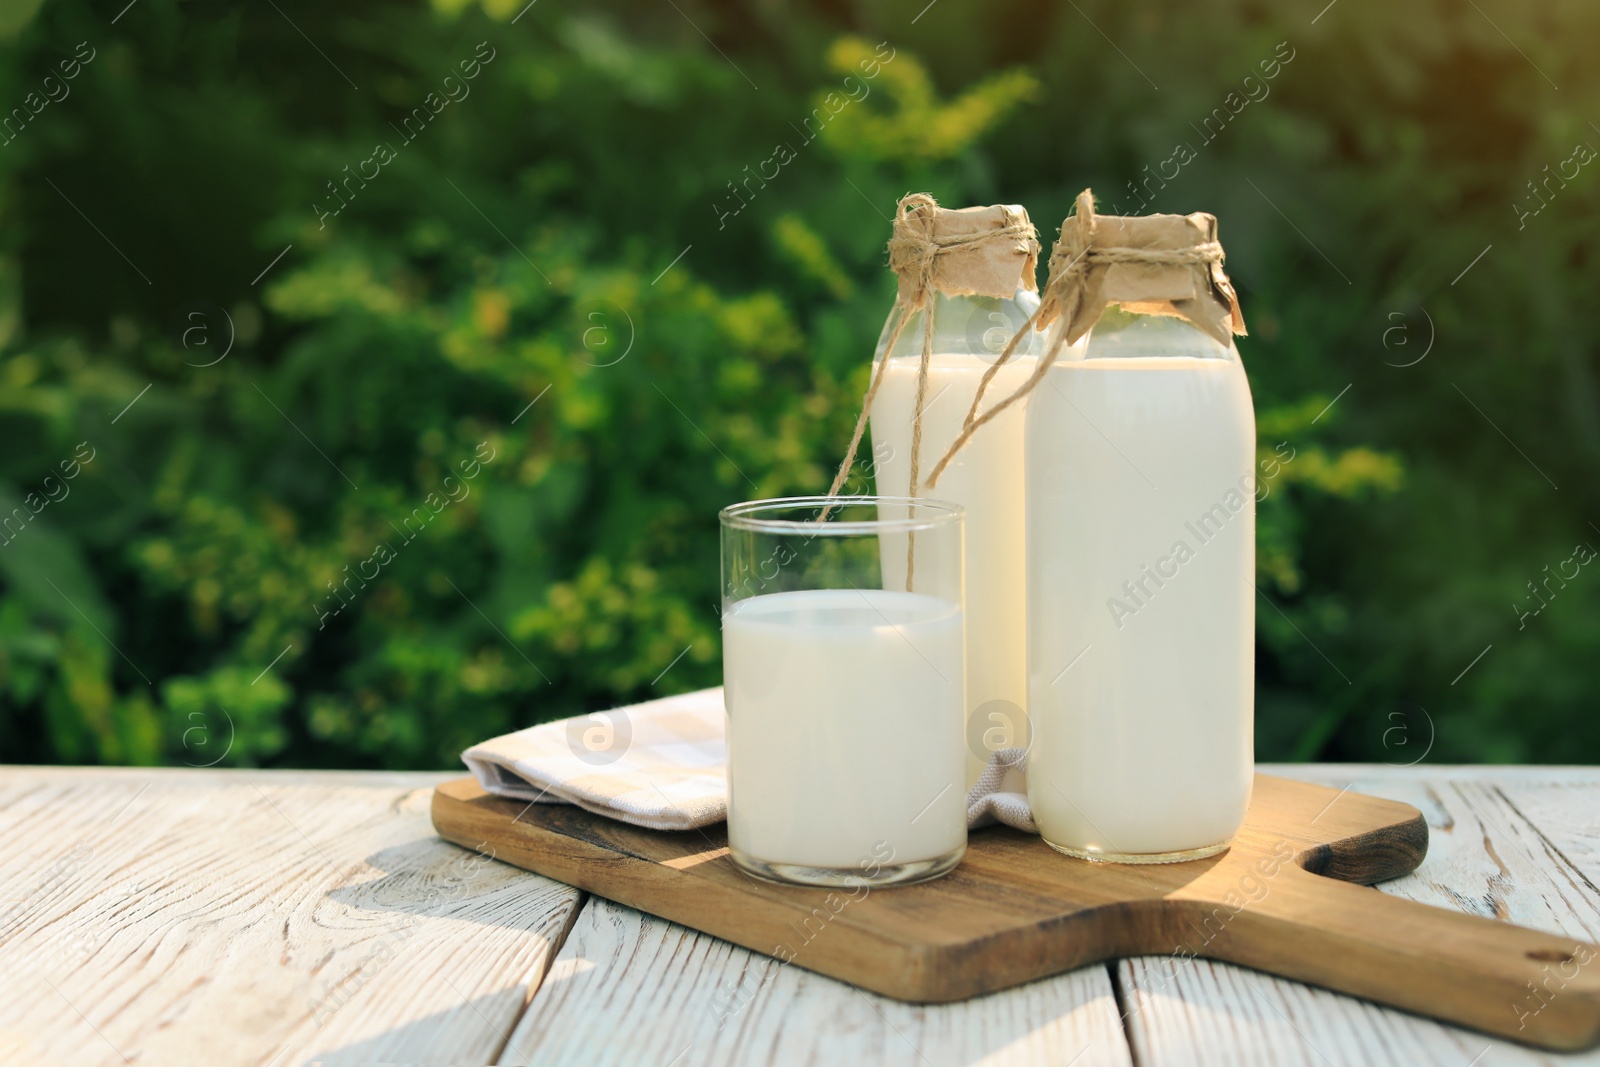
<point x="1484" y="858"/>
<point x="1339" y="774"/>
<point x="220" y="918"/>
<point x="628" y="988"/>
<point x="182" y="947"/>
<point x="1567" y="816"/>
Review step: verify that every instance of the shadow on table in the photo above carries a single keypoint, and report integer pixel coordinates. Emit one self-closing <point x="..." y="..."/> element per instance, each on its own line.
<point x="427" y="885"/>
<point x="472" y="1032"/>
<point x="606" y="1001"/>
<point x="431" y="878"/>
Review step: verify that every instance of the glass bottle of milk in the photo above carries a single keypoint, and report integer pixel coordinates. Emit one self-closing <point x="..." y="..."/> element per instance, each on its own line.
<point x="1140" y="446"/>
<point x="970" y="329"/>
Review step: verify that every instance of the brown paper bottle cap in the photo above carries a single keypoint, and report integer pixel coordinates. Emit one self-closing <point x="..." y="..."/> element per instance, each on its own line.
<point x="986" y="251"/>
<point x="1151" y="264"/>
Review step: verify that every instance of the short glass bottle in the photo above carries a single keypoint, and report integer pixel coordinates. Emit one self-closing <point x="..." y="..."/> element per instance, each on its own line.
<point x="985" y="477"/>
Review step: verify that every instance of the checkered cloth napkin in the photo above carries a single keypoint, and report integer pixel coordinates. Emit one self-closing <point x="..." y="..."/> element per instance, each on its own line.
<point x="663" y="765"/>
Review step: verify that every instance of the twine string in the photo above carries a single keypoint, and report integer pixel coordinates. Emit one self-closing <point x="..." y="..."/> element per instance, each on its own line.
<point x="914" y="252"/>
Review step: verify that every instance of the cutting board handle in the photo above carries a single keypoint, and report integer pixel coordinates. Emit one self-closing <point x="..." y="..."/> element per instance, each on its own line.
<point x="1532" y="987"/>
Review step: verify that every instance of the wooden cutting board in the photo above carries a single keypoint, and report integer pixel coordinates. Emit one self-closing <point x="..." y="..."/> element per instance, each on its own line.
<point x="1288" y="898"/>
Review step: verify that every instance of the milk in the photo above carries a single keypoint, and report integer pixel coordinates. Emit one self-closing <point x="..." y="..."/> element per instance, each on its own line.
<point x="844" y="727"/>
<point x="986" y="477"/>
<point x="1141" y="559"/>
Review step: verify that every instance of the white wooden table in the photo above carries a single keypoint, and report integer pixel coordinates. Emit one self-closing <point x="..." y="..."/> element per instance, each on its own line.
<point x="295" y="918"/>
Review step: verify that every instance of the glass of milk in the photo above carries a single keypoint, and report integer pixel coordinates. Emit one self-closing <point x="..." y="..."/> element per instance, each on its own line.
<point x="844" y="679"/>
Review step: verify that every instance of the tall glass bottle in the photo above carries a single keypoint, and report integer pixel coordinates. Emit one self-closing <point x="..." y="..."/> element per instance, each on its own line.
<point x="971" y="326"/>
<point x="1140" y="447"/>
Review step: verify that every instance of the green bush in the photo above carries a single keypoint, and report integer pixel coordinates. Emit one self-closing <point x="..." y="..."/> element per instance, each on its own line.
<point x="576" y="281"/>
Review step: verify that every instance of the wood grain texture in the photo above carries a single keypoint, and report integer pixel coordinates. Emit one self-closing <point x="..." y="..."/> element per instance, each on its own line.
<point x="1486" y="857"/>
<point x="1568" y="817"/>
<point x="246" y="918"/>
<point x="1015" y="911"/>
<point x="629" y="988"/>
<point x="194" y="923"/>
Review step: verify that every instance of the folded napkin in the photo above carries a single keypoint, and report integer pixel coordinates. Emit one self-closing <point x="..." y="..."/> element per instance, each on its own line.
<point x="663" y="765"/>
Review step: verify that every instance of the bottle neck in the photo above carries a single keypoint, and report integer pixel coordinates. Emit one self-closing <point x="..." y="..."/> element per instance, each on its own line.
<point x="1131" y="335"/>
<point x="965" y="326"/>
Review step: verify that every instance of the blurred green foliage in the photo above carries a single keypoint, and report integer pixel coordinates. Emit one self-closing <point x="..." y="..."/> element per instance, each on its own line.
<point x="552" y="274"/>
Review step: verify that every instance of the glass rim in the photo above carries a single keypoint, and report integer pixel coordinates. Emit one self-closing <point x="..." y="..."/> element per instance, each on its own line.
<point x="743" y="516"/>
